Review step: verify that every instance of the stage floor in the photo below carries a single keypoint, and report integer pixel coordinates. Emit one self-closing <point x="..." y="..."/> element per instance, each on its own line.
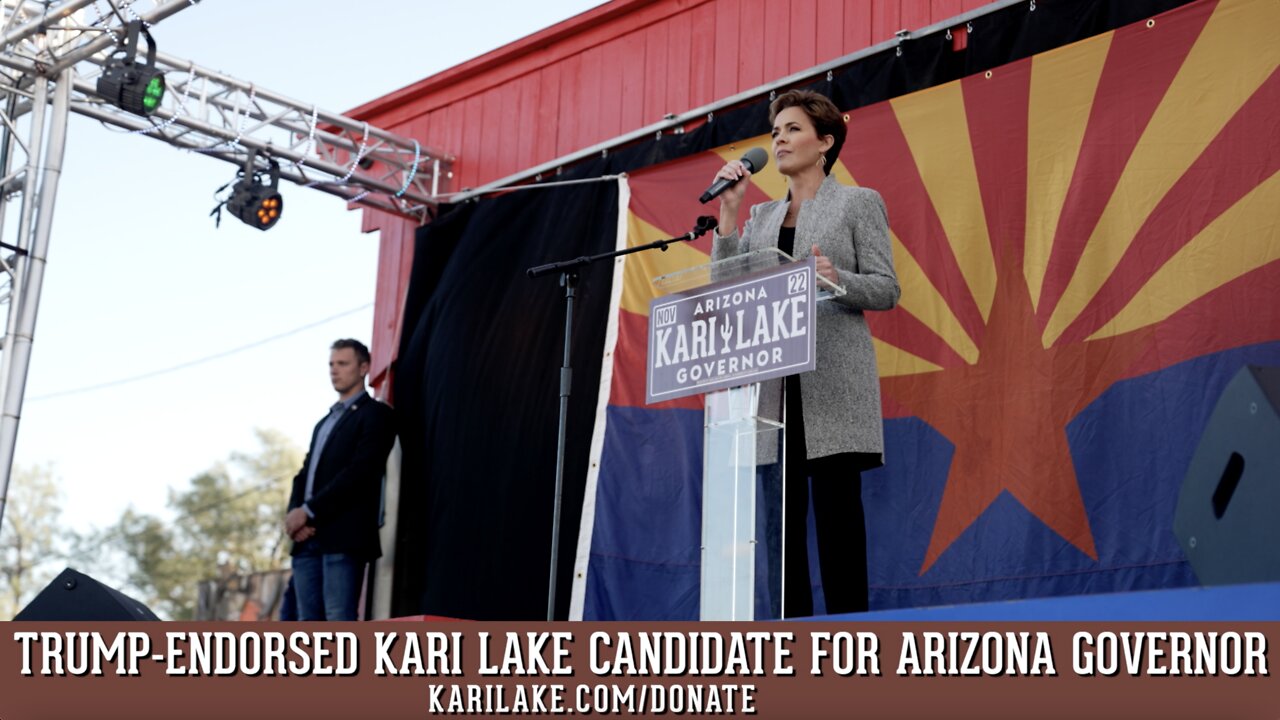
<point x="1259" y="602"/>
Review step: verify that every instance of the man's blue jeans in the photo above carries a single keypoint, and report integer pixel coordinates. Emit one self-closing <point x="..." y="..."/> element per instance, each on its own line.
<point x="327" y="586"/>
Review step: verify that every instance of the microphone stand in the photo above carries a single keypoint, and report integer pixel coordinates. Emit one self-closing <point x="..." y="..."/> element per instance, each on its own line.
<point x="569" y="270"/>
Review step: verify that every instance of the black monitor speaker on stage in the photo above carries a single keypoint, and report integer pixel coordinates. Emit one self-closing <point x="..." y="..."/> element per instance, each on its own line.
<point x="76" y="596"/>
<point x="1228" y="516"/>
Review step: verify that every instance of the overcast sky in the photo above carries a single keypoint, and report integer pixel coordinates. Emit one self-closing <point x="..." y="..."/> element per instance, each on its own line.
<point x="140" y="280"/>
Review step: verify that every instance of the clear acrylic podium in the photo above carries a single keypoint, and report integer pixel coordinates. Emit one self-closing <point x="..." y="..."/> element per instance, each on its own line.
<point x="743" y="476"/>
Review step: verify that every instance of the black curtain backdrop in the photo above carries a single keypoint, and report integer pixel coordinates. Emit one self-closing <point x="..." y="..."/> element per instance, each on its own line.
<point x="476" y="381"/>
<point x="477" y="394"/>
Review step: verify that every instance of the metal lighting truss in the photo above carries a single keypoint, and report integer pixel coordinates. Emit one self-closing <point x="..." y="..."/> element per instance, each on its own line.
<point x="212" y="113"/>
<point x="50" y="55"/>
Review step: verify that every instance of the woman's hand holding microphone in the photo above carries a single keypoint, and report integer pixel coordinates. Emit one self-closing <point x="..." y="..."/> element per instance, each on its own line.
<point x="731" y="198"/>
<point x="733" y="171"/>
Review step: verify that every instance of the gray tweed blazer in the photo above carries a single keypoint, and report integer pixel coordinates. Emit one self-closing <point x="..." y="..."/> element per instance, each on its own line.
<point x="842" y="396"/>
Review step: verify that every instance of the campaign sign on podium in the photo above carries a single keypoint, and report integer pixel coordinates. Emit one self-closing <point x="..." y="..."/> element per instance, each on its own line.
<point x="722" y="329"/>
<point x="741" y="330"/>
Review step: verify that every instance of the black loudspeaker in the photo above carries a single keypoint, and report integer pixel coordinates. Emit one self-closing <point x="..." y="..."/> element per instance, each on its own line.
<point x="1228" y="516"/>
<point x="76" y="596"/>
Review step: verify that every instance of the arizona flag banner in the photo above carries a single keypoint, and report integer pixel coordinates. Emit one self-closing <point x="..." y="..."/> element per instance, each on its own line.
<point x="1087" y="244"/>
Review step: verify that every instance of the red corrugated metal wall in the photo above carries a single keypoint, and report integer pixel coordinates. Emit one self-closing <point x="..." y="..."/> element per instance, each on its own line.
<point x="609" y="71"/>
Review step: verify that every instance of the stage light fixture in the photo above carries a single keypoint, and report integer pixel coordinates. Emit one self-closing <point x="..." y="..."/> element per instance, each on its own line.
<point x="255" y="198"/>
<point x="129" y="85"/>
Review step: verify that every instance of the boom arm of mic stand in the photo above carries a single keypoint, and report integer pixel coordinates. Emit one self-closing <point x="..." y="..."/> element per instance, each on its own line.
<point x="705" y="223"/>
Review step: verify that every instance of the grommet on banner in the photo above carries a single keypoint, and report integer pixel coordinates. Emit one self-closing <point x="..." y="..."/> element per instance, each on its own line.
<point x="1151" y="23"/>
<point x="988" y="75"/>
<point x="846" y="117"/>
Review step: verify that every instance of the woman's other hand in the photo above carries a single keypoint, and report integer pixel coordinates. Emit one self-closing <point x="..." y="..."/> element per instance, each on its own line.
<point x="825" y="268"/>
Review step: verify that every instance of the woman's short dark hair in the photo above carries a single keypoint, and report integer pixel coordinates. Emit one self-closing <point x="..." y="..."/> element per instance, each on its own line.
<point x="825" y="116"/>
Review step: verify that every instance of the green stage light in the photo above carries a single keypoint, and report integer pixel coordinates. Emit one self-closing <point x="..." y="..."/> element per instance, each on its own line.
<point x="153" y="94"/>
<point x="129" y="85"/>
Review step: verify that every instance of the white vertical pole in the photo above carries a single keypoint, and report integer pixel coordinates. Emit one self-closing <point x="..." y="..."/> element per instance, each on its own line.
<point x="18" y="341"/>
<point x="30" y="183"/>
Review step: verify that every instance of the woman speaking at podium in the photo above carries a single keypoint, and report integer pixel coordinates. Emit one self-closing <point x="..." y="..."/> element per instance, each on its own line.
<point x="833" y="424"/>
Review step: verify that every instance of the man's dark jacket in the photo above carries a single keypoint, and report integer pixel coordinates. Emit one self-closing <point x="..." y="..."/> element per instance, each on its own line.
<point x="345" y="500"/>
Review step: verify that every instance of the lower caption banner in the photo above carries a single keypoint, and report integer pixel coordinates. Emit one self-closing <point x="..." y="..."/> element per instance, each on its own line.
<point x="768" y="670"/>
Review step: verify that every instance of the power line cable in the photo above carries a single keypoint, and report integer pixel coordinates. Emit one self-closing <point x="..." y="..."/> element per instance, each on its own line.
<point x="199" y="361"/>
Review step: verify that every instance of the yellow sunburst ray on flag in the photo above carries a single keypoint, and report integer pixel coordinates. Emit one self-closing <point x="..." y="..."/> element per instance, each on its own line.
<point x="1250" y="228"/>
<point x="1234" y="54"/>
<point x="642" y="267"/>
<point x="841" y="173"/>
<point x="919" y="296"/>
<point x="937" y="131"/>
<point x="893" y="361"/>
<point x="1063" y="84"/>
<point x="922" y="299"/>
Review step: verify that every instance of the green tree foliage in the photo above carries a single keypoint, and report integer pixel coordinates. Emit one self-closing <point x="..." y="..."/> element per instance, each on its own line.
<point x="30" y="540"/>
<point x="228" y="522"/>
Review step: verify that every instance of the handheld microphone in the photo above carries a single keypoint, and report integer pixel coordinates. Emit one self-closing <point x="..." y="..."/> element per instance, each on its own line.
<point x="755" y="159"/>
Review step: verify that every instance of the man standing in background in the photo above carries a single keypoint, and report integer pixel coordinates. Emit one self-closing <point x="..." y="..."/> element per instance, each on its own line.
<point x="334" y="508"/>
